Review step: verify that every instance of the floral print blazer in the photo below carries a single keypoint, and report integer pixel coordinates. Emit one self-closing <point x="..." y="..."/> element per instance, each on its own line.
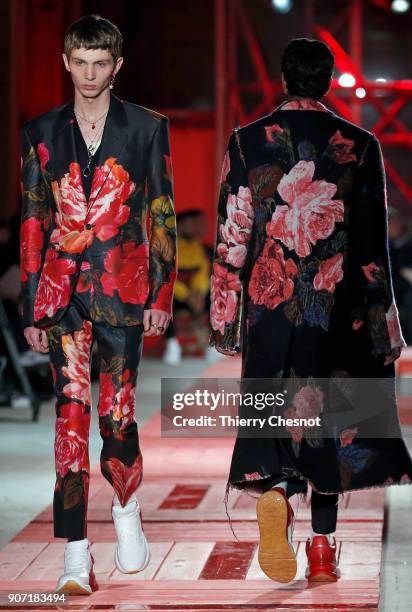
<point x="131" y="193"/>
<point x="302" y="226"/>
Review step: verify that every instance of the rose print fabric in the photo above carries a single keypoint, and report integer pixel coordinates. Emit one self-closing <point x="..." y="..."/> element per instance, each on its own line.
<point x="301" y="286"/>
<point x="129" y="216"/>
<point x="94" y="256"/>
<point x="119" y="352"/>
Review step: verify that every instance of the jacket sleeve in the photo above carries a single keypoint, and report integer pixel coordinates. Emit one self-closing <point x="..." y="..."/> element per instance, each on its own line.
<point x="234" y="226"/>
<point x="372" y="291"/>
<point x="162" y="247"/>
<point x="35" y="223"/>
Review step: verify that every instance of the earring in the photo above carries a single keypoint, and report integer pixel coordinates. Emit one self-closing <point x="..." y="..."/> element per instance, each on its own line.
<point x="111" y="85"/>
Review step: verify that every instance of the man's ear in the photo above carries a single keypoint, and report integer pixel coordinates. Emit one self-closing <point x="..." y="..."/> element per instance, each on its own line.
<point x="119" y="63"/>
<point x="66" y="62"/>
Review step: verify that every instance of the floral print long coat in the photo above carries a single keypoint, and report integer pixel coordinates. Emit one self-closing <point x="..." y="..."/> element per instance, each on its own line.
<point x="301" y="286"/>
<point x="131" y="194"/>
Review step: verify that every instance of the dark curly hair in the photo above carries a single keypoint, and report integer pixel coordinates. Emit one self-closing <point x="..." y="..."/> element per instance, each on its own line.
<point x="307" y="67"/>
<point x="93" y="32"/>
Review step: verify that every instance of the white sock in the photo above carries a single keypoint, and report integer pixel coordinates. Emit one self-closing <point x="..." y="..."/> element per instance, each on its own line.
<point x="328" y="535"/>
<point x="282" y="484"/>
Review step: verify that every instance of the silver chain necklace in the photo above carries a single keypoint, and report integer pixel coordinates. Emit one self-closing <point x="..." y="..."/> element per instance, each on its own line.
<point x="91" y="147"/>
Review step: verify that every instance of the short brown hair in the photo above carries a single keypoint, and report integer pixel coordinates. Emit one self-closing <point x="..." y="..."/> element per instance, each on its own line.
<point x="93" y="32"/>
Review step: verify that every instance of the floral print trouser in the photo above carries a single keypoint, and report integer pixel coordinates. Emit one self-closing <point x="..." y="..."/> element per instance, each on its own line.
<point x="119" y="350"/>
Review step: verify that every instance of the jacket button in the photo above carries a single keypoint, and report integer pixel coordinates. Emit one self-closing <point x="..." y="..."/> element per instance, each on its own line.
<point x="88" y="226"/>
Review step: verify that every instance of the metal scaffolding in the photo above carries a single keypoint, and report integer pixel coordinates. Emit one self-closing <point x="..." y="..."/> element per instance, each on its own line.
<point x="388" y="99"/>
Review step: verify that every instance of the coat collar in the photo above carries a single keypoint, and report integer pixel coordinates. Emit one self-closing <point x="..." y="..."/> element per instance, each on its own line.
<point x="114" y="139"/>
<point x="308" y="104"/>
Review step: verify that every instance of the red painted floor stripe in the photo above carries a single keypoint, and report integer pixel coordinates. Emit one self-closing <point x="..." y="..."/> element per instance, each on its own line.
<point x="228" y="561"/>
<point x="184" y="496"/>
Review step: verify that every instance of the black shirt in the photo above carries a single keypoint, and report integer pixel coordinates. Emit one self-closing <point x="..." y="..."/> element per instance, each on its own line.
<point x="83" y="159"/>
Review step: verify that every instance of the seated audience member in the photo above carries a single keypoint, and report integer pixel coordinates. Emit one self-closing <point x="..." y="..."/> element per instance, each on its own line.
<point x="192" y="286"/>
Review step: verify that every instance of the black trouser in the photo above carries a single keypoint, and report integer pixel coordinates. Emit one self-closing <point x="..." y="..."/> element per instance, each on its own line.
<point x="324" y="509"/>
<point x="119" y="351"/>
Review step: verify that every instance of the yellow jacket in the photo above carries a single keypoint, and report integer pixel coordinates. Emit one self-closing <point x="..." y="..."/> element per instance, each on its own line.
<point x="193" y="268"/>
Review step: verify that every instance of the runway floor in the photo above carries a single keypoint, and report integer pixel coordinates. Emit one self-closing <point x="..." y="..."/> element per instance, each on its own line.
<point x="196" y="562"/>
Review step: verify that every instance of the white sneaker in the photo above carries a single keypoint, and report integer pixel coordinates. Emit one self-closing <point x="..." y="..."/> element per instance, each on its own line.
<point x="132" y="551"/>
<point x="173" y="352"/>
<point x="78" y="577"/>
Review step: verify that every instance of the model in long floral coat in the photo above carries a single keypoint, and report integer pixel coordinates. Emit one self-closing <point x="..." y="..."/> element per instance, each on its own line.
<point x="98" y="263"/>
<point x="301" y="286"/>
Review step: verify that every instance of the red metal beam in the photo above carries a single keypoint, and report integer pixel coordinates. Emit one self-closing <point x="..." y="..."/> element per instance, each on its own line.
<point x="387" y="98"/>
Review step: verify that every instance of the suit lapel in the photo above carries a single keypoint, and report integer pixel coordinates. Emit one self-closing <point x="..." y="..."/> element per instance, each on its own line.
<point x="64" y="145"/>
<point x="114" y="140"/>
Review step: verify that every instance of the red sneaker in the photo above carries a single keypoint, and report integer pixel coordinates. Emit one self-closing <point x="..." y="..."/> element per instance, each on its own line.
<point x="275" y="517"/>
<point x="322" y="565"/>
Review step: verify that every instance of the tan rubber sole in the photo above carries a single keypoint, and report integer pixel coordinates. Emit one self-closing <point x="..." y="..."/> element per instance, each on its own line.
<point x="276" y="556"/>
<point x="71" y="587"/>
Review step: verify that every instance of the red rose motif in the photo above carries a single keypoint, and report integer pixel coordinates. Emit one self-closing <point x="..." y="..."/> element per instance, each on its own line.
<point x="125" y="405"/>
<point x="70" y="233"/>
<point x="43" y="155"/>
<point x="253" y="476"/>
<point x="272" y="131"/>
<point x="330" y="273"/>
<point x="308" y="402"/>
<point x="224" y="289"/>
<point x="71" y="444"/>
<point x="76" y="348"/>
<point x="236" y="230"/>
<point x="357" y="324"/>
<point x="271" y="281"/>
<point x="164" y="299"/>
<point x="369" y="271"/>
<point x="168" y="164"/>
<point x="311" y="213"/>
<point x="127" y="272"/>
<point x="31" y="243"/>
<point x="125" y="480"/>
<point x="106" y="394"/>
<point x="347" y="435"/>
<point x="53" y="291"/>
<point x="109" y="195"/>
<point x="342" y="148"/>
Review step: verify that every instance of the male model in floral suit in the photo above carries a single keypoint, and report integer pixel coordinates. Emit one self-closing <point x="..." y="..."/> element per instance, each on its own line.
<point x="96" y="175"/>
<point x="301" y="285"/>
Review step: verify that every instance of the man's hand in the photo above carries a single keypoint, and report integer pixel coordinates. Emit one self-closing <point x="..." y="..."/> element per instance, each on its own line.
<point x="396" y="353"/>
<point x="155" y="322"/>
<point x="37" y="339"/>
